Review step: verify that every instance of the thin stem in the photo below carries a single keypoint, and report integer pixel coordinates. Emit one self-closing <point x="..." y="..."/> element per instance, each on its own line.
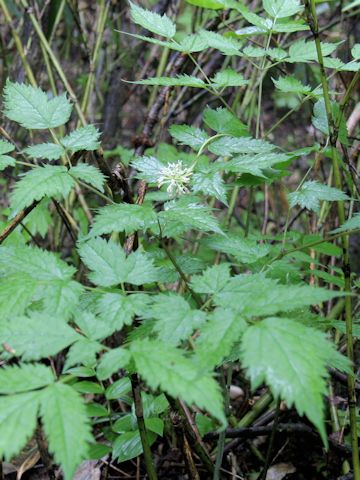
<point x="333" y="135"/>
<point x="263" y="474"/>
<point x="142" y="429"/>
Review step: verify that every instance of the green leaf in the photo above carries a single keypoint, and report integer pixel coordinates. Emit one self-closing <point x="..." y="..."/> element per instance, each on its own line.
<point x="16" y="293"/>
<point x="255" y="164"/>
<point x="212" y="280"/>
<point x="149" y="168"/>
<point x="82" y="352"/>
<point x="93" y="327"/>
<point x="178" y="81"/>
<point x="355" y="51"/>
<point x="228" y="78"/>
<point x="256" y="295"/>
<point x="280" y="8"/>
<point x="48" y="180"/>
<point x="320" y="121"/>
<point x="66" y="426"/>
<point x="31" y="108"/>
<point x="34" y="274"/>
<point x="17" y="421"/>
<point x="37" y="336"/>
<point x="84" y="138"/>
<point x="128" y="445"/>
<point x="88" y="174"/>
<point x="117" y="309"/>
<point x="123" y="217"/>
<point x="193" y="43"/>
<point x="291" y="85"/>
<point x="210" y="183"/>
<point x="24" y="377"/>
<point x="312" y="192"/>
<point x="110" y="266"/>
<point x="161" y="25"/>
<point x="111" y="362"/>
<point x="6" y="160"/>
<point x="183" y="215"/>
<point x="226" y="146"/>
<point x="175" y="319"/>
<point x="245" y="250"/>
<point x="302" y="51"/>
<point x="191" y="136"/>
<point x="352" y="223"/>
<point x="226" y="327"/>
<point x="39" y="219"/>
<point x="118" y="389"/>
<point x="48" y="151"/>
<point x="226" y="45"/>
<point x="166" y="367"/>
<point x="223" y="121"/>
<point x="211" y="4"/>
<point x="88" y="387"/>
<point x="295" y="370"/>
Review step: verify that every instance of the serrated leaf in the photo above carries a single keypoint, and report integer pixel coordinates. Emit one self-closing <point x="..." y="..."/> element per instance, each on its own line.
<point x="291" y="85"/>
<point x="228" y="78"/>
<point x="182" y="216"/>
<point x="110" y="266"/>
<point x="84" y="138"/>
<point x="226" y="45"/>
<point x="193" y="43"/>
<point x="209" y="183"/>
<point x="186" y="135"/>
<point x="178" y="81"/>
<point x="24" y="377"/>
<point x="123" y="217"/>
<point x="175" y="319"/>
<point x="31" y="108"/>
<point x="149" y="168"/>
<point x="17" y="421"/>
<point x="6" y="160"/>
<point x="48" y="180"/>
<point x="111" y="362"/>
<point x="256" y="295"/>
<point x="16" y="293"/>
<point x="312" y="192"/>
<point x="37" y="336"/>
<point x="161" y="25"/>
<point x="48" y="151"/>
<point x="295" y="370"/>
<point x="82" y="352"/>
<point x="352" y="223"/>
<point x="166" y="367"/>
<point x="212" y="280"/>
<point x="66" y="426"/>
<point x="218" y="335"/>
<point x="33" y="274"/>
<point x="118" y="309"/>
<point x="226" y="146"/>
<point x="88" y="174"/>
<point x="302" y="51"/>
<point x="245" y="250"/>
<point x="280" y="8"/>
<point x="255" y="164"/>
<point x="223" y="121"/>
<point x="93" y="327"/>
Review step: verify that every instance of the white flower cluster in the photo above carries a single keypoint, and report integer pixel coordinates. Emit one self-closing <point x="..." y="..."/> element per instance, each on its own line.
<point x="177" y="176"/>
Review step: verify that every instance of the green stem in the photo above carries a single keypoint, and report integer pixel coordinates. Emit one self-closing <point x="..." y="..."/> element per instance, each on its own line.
<point x="333" y="134"/>
<point x="142" y="428"/>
